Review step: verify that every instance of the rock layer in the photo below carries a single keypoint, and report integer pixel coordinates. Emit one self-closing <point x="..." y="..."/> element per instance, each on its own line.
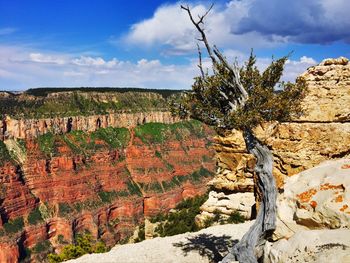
<point x="106" y="191"/>
<point x="31" y="128"/>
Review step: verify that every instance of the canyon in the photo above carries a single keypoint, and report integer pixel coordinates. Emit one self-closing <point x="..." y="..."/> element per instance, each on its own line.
<point x="102" y="173"/>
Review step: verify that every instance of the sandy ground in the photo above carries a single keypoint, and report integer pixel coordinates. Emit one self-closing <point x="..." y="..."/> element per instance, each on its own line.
<point x="207" y="245"/>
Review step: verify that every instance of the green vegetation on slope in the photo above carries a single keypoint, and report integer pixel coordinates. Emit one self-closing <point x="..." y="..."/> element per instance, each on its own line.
<point x="4" y="154"/>
<point x="114" y="137"/>
<point x="49" y="102"/>
<point x="84" y="244"/>
<point x="160" y="132"/>
<point x="35" y="217"/>
<point x="81" y="142"/>
<point x="181" y="220"/>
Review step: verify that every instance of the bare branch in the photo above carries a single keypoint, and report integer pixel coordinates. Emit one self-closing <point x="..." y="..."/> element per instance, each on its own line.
<point x="201" y="30"/>
<point x="236" y="77"/>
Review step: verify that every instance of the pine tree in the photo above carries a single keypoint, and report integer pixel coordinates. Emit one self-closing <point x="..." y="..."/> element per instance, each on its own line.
<point x="229" y="97"/>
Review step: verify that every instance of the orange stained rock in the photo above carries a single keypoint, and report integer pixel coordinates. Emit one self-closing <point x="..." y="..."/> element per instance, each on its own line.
<point x="328" y="186"/>
<point x="313" y="204"/>
<point x="339" y="199"/>
<point x="345" y="166"/>
<point x="344" y="208"/>
<point x="306" y="196"/>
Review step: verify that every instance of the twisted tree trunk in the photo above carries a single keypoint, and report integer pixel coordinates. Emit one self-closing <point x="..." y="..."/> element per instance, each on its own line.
<point x="250" y="247"/>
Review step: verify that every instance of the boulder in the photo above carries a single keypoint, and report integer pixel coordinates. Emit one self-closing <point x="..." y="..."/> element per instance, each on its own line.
<point x="317" y="198"/>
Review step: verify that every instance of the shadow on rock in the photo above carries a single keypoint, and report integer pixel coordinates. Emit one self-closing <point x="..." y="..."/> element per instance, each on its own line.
<point x="207" y="245"/>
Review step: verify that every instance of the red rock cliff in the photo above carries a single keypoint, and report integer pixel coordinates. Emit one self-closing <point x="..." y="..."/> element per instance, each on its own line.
<point x="79" y="181"/>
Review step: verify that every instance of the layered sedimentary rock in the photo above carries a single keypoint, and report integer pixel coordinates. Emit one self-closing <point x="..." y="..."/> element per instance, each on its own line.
<point x="322" y="133"/>
<point x="28" y="128"/>
<point x="104" y="182"/>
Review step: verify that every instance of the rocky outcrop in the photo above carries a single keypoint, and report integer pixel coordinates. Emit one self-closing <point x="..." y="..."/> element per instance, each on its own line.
<point x="328" y="97"/>
<point x="316" y="198"/>
<point x="313" y="217"/>
<point x="322" y="133"/>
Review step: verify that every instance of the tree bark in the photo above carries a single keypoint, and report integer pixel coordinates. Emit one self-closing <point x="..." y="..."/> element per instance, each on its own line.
<point x="250" y="247"/>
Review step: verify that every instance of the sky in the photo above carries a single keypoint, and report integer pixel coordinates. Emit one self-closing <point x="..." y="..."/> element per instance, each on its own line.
<point x="152" y="44"/>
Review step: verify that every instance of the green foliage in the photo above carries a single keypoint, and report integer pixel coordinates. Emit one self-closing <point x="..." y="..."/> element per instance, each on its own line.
<point x="217" y="99"/>
<point x="133" y="188"/>
<point x="64" y="209"/>
<point x="158" y="154"/>
<point x="159" y="132"/>
<point x="13" y="226"/>
<point x="47" y="143"/>
<point x="83" y="101"/>
<point x="140" y="233"/>
<point x="114" y="137"/>
<point x="235" y="218"/>
<point x="84" y="244"/>
<point x="151" y="132"/>
<point x="43" y="246"/>
<point x="107" y="197"/>
<point x="35" y="217"/>
<point x="4" y="154"/>
<point x="181" y="220"/>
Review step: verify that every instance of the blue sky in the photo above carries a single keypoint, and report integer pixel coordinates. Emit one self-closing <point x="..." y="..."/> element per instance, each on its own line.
<point x="152" y="44"/>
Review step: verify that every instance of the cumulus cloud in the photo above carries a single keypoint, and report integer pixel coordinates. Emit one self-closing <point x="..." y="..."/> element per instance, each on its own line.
<point x="245" y="24"/>
<point x="21" y="68"/>
<point x="170" y="27"/>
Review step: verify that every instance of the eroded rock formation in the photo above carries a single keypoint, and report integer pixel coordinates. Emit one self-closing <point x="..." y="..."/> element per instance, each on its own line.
<point x="322" y="133"/>
<point x="80" y="182"/>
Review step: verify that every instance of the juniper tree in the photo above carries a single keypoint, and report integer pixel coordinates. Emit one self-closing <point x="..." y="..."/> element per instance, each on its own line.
<point x="232" y="97"/>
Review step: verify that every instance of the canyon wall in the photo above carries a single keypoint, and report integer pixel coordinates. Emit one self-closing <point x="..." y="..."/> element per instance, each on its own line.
<point x="322" y="133"/>
<point x="29" y="128"/>
<point x="104" y="181"/>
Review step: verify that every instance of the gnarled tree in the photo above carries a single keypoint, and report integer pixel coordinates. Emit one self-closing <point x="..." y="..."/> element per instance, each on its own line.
<point x="229" y="97"/>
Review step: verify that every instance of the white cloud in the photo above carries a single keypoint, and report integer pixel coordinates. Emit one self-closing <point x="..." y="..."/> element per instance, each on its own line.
<point x="40" y="58"/>
<point x="245" y="24"/>
<point x="21" y="68"/>
<point x="170" y="26"/>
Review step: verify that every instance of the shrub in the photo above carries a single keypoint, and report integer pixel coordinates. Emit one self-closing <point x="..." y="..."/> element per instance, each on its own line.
<point x="107" y="197"/>
<point x="158" y="154"/>
<point x="83" y="245"/>
<point x="64" y="209"/>
<point x="47" y="143"/>
<point x="235" y="218"/>
<point x="43" y="246"/>
<point x="14" y="226"/>
<point x="35" y="217"/>
<point x="140" y="234"/>
<point x="4" y="154"/>
<point x="133" y="188"/>
<point x="181" y="220"/>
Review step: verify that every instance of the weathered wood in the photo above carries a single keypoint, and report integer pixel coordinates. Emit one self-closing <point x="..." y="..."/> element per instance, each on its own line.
<point x="250" y="247"/>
